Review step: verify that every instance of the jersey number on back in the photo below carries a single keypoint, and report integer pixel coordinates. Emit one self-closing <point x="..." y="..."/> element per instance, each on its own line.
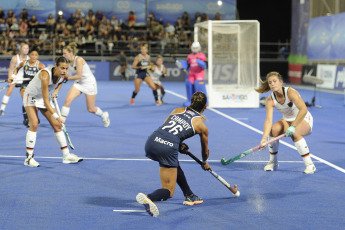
<point x="174" y="129"/>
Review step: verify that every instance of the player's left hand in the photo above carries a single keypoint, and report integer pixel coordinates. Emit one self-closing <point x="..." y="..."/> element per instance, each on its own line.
<point x="54" y="95"/>
<point x="290" y="131"/>
<point x="183" y="148"/>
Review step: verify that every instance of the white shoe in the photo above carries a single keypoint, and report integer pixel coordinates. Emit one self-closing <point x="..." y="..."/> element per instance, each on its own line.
<point x="150" y="207"/>
<point x="310" y="169"/>
<point x="30" y="161"/>
<point x="71" y="159"/>
<point x="271" y="166"/>
<point x="105" y="119"/>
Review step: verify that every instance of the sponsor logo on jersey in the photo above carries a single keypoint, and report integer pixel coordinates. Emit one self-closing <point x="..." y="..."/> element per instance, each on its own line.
<point x="164" y="142"/>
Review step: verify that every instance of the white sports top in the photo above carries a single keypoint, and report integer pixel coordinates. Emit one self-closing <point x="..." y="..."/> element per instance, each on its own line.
<point x="34" y="88"/>
<point x="288" y="108"/>
<point x="87" y="75"/>
<point x="155" y="75"/>
<point x="20" y="61"/>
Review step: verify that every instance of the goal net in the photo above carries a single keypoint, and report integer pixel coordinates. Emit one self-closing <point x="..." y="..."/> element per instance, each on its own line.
<point x="232" y="49"/>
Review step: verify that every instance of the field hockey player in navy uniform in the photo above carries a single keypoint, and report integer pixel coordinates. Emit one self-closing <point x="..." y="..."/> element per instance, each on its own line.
<point x="142" y="64"/>
<point x="30" y="68"/>
<point x="163" y="146"/>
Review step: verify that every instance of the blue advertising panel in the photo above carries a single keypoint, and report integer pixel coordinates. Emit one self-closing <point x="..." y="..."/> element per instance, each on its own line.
<point x="169" y="11"/>
<point x="109" y="7"/>
<point x="326" y="37"/>
<point x="338" y="36"/>
<point x="4" y="67"/>
<point x="40" y="8"/>
<point x="319" y="38"/>
<point x="99" y="69"/>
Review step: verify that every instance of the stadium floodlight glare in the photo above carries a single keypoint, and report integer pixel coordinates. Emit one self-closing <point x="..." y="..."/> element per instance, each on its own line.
<point x="220" y="2"/>
<point x="60" y="12"/>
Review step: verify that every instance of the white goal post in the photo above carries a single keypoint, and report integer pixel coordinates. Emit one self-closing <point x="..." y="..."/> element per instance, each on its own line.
<point x="232" y="48"/>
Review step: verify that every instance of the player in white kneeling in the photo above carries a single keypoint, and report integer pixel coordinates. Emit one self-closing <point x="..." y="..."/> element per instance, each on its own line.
<point x="36" y="96"/>
<point x="297" y="121"/>
<point x="85" y="82"/>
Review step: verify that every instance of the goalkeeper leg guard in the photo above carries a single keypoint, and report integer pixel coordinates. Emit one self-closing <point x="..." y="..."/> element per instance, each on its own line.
<point x="189" y="90"/>
<point x="199" y="85"/>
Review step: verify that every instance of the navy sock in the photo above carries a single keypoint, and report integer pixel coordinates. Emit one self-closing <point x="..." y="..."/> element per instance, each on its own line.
<point x="24" y="113"/>
<point x="182" y="182"/>
<point x="155" y="94"/>
<point x="159" y="195"/>
<point x="134" y="94"/>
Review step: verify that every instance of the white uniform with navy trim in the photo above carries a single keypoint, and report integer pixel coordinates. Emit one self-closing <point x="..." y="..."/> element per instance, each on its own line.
<point x="87" y="83"/>
<point x="33" y="93"/>
<point x="155" y="75"/>
<point x="289" y="109"/>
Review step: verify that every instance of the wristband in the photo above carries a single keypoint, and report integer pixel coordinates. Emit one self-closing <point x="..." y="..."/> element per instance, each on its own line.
<point x="55" y="115"/>
<point x="204" y="162"/>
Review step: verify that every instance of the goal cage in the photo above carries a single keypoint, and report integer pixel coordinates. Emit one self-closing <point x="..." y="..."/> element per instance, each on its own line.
<point x="232" y="49"/>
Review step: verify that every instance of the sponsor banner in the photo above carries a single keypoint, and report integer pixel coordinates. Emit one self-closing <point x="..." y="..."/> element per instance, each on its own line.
<point x="4" y="67"/>
<point x="327" y="74"/>
<point x="340" y="77"/>
<point x="40" y="8"/>
<point x="232" y="98"/>
<point x="109" y="8"/>
<point x="295" y="73"/>
<point x="169" y="11"/>
<point x="99" y="69"/>
<point x="173" y="72"/>
<point x="326" y="37"/>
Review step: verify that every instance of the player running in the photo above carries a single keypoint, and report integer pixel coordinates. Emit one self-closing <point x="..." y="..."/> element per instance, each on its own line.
<point x="156" y="72"/>
<point x="36" y="96"/>
<point x="296" y="123"/>
<point x="163" y="146"/>
<point x="30" y="68"/>
<point x="15" y="61"/>
<point x="85" y="82"/>
<point x="142" y="63"/>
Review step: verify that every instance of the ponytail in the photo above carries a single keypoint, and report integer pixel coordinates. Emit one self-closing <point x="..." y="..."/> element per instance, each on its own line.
<point x="264" y="84"/>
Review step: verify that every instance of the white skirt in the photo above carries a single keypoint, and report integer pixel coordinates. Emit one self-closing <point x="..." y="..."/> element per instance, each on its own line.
<point x="89" y="88"/>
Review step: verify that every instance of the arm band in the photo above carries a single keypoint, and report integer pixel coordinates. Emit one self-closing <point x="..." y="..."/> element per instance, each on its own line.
<point x="55" y="115"/>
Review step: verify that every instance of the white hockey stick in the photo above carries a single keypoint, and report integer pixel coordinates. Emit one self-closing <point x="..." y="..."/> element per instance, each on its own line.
<point x="63" y="125"/>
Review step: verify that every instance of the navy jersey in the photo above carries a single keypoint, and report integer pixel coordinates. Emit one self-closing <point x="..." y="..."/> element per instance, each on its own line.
<point x="143" y="62"/>
<point x="162" y="145"/>
<point x="30" y="71"/>
<point x="178" y="127"/>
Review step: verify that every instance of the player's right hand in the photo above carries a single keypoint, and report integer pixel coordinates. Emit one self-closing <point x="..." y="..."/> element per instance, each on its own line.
<point x="263" y="144"/>
<point x="206" y="166"/>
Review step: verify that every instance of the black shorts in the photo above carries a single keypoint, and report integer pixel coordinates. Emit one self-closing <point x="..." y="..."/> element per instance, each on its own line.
<point x="142" y="75"/>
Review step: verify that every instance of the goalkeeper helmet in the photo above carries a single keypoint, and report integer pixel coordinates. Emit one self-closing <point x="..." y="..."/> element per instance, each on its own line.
<point x="196" y="48"/>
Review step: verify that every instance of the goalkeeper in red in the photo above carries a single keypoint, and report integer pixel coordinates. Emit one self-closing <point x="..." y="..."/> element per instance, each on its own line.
<point x="163" y="146"/>
<point x="196" y="63"/>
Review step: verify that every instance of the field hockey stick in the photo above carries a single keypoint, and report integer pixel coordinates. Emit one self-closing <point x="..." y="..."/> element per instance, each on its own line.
<point x="63" y="125"/>
<point x="234" y="190"/>
<point x="249" y="151"/>
<point x="13" y="82"/>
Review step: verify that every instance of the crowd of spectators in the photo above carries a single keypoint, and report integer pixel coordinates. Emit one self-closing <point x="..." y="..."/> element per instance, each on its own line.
<point x="95" y="33"/>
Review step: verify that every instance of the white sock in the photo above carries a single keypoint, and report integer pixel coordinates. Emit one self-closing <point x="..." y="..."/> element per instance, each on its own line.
<point x="61" y="140"/>
<point x="30" y="142"/>
<point x="99" y="112"/>
<point x="273" y="157"/>
<point x="159" y="92"/>
<point x="64" y="112"/>
<point x="303" y="150"/>
<point x="5" y="100"/>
